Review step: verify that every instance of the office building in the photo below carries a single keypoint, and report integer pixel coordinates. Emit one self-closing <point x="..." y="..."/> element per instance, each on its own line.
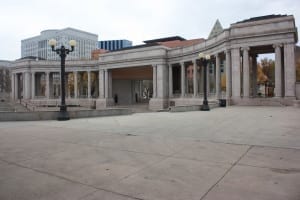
<point x="38" y="46"/>
<point x="113" y="45"/>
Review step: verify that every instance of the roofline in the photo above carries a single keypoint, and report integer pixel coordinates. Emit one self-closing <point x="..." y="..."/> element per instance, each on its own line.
<point x="165" y="39"/>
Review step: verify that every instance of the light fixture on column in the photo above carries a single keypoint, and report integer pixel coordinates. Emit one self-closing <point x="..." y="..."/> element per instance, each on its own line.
<point x="62" y="52"/>
<point x="204" y="60"/>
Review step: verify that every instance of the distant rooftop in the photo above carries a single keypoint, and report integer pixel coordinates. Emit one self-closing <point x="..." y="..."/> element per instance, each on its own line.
<point x="166" y="39"/>
<point x="31" y="58"/>
<point x="136" y="47"/>
<point x="261" y="18"/>
<point x="171" y="42"/>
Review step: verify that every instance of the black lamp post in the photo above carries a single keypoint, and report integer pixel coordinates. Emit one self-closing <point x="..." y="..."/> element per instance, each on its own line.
<point x="204" y="60"/>
<point x="62" y="52"/>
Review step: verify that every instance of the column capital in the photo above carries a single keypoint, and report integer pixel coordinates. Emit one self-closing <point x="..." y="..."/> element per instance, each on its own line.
<point x="227" y="51"/>
<point x="289" y="43"/>
<point x="194" y="62"/>
<point x="278" y="45"/>
<point x="245" y="48"/>
<point x="182" y="63"/>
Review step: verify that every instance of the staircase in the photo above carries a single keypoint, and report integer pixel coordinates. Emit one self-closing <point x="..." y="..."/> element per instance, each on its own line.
<point x="6" y="106"/>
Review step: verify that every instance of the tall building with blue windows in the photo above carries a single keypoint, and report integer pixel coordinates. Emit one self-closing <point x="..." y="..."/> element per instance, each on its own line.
<point x="112" y="45"/>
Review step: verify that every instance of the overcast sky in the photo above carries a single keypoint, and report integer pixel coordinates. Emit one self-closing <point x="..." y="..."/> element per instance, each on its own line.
<point x="135" y="20"/>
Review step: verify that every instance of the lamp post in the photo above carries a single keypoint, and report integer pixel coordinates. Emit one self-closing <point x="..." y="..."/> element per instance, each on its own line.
<point x="204" y="60"/>
<point x="62" y="52"/>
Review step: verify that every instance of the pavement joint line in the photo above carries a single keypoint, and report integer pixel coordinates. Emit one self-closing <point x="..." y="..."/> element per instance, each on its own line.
<point x="256" y="145"/>
<point x="102" y="147"/>
<point x="88" y="194"/>
<point x="227" y="171"/>
<point x="265" y="167"/>
<point x="148" y="166"/>
<point x="66" y="179"/>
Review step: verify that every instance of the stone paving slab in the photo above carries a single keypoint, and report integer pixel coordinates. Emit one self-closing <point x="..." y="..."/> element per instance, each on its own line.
<point x="105" y="195"/>
<point x="232" y="153"/>
<point x="92" y="166"/>
<point x="26" y="184"/>
<point x="278" y="158"/>
<point x="17" y="148"/>
<point x="213" y="152"/>
<point x="252" y="183"/>
<point x="172" y="179"/>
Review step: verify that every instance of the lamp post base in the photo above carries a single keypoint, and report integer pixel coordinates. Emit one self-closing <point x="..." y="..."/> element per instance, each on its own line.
<point x="205" y="106"/>
<point x="63" y="116"/>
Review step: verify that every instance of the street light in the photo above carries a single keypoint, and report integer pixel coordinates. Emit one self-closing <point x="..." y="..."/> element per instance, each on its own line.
<point x="204" y="60"/>
<point x="62" y="52"/>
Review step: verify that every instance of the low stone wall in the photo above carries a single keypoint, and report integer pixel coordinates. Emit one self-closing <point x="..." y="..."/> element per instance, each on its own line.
<point x="298" y="90"/>
<point x="52" y="115"/>
<point x="285" y="101"/>
<point x="34" y="104"/>
<point x="187" y="108"/>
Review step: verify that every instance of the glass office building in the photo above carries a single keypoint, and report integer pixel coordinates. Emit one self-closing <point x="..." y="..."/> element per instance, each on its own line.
<point x="38" y="46"/>
<point x="113" y="45"/>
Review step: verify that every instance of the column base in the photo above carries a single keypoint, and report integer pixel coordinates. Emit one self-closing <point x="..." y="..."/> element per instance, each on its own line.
<point x="158" y="104"/>
<point x="289" y="101"/>
<point x="104" y="103"/>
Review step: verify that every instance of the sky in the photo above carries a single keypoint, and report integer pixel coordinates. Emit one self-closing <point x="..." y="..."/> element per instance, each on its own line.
<point x="135" y="20"/>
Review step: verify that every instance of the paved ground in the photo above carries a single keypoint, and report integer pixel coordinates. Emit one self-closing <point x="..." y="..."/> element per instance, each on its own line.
<point x="228" y="153"/>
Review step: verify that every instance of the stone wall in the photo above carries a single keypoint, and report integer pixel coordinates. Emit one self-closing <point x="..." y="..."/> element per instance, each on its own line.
<point x="298" y="90"/>
<point x="50" y="115"/>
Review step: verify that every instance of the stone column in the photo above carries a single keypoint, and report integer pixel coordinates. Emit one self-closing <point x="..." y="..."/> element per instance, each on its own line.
<point x="246" y="72"/>
<point x="47" y="95"/>
<point x="32" y="85"/>
<point x="106" y="93"/>
<point x="16" y="86"/>
<point x="26" y="86"/>
<point x="109" y="83"/>
<point x="278" y="71"/>
<point x="218" y="77"/>
<point x="101" y="84"/>
<point x="202" y="79"/>
<point x="236" y="73"/>
<point x="170" y="80"/>
<point x="254" y="75"/>
<point x="207" y="78"/>
<point x="154" y="81"/>
<point x="12" y="83"/>
<point x="162" y="81"/>
<point x="289" y="70"/>
<point x="228" y="74"/>
<point x="182" y="79"/>
<point x="160" y="75"/>
<point x="195" y="80"/>
<point x="89" y="83"/>
<point x="75" y="85"/>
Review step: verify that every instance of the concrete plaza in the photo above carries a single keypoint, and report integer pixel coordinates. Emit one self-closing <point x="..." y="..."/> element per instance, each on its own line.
<point x="228" y="153"/>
